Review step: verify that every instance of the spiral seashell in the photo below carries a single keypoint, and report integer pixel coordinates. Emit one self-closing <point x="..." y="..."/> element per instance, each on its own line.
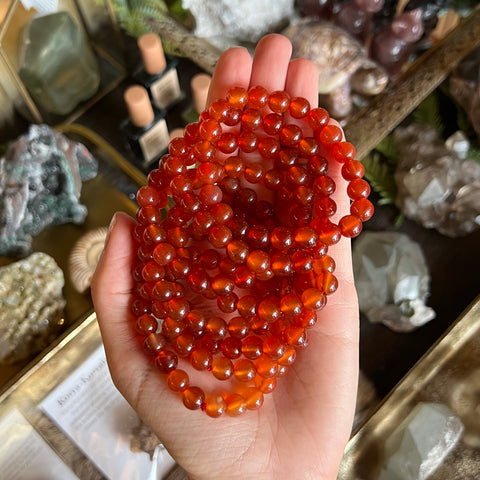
<point x="84" y="258"/>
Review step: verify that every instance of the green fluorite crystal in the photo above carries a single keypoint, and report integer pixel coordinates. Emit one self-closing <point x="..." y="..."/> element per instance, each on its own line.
<point x="56" y="63"/>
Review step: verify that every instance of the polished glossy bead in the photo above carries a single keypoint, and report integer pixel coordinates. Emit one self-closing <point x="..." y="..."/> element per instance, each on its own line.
<point x="230" y="186"/>
<point x="210" y="195"/>
<point x="302" y="262"/>
<point x="247" y="142"/>
<point x="139" y="307"/>
<point x="215" y="406"/>
<point x="146" y="324"/>
<point x="281" y="238"/>
<point x="313" y="299"/>
<point x="288" y="357"/>
<point x="237" y="97"/>
<point x="227" y="303"/>
<point x="193" y="398"/>
<point x="266" y="367"/>
<point x="152" y="272"/>
<point x="219" y="236"/>
<point x="352" y="169"/>
<point x="149" y="214"/>
<point x="252" y="347"/>
<point x="362" y="208"/>
<point x="251" y="119"/>
<point x="269" y="309"/>
<point x="204" y="151"/>
<point x="238" y="327"/>
<point x="178" y="380"/>
<point x="172" y="328"/>
<point x="324" y="264"/>
<point x="184" y="344"/>
<point x="216" y="328"/>
<point x="299" y="107"/>
<point x="305" y="237"/>
<point x="196" y="322"/>
<point x="279" y="101"/>
<point x="297" y="176"/>
<point x="232" y="117"/>
<point x="281" y="265"/>
<point x="328" y="232"/>
<point x="237" y="251"/>
<point x="198" y="281"/>
<point x="317" y="166"/>
<point x="202" y="222"/>
<point x="163" y="290"/>
<point x="234" y="167"/>
<point x="303" y="195"/>
<point x="286" y="158"/>
<point x="178" y="237"/>
<point x="222" y="368"/>
<point x="253" y="396"/>
<point x="308" y="147"/>
<point x="350" y="225"/>
<point x="218" y="109"/>
<point x="178" y="146"/>
<point x="274" y="347"/>
<point x="222" y="284"/>
<point x="210" y="130"/>
<point x="148" y="195"/>
<point x="227" y="143"/>
<point x="318" y="118"/>
<point x="208" y="172"/>
<point x="324" y="186"/>
<point x="296" y="336"/>
<point x="265" y="385"/>
<point x="257" y="97"/>
<point x="178" y="308"/>
<point x="166" y="361"/>
<point x="236" y="405"/>
<point x="244" y="370"/>
<point x="247" y="306"/>
<point x="273" y="179"/>
<point x="272" y="123"/>
<point x="325" y="207"/>
<point x="190" y="134"/>
<point x="231" y="347"/>
<point x="180" y="267"/>
<point x="173" y="166"/>
<point x="243" y="277"/>
<point x="258" y="261"/>
<point x="358" y="188"/>
<point x="290" y="135"/>
<point x="329" y="135"/>
<point x="254" y="172"/>
<point x="201" y="358"/>
<point x="268" y="147"/>
<point x="327" y="283"/>
<point x="209" y="259"/>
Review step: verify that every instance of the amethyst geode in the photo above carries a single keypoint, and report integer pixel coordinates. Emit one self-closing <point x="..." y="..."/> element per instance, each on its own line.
<point x="41" y="178"/>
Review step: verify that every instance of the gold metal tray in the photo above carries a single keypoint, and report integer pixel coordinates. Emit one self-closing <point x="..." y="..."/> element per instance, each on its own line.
<point x="449" y="374"/>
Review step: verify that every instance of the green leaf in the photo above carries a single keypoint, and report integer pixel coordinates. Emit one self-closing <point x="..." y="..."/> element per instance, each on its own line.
<point x="379" y="174"/>
<point x="389" y="149"/>
<point x="428" y="113"/>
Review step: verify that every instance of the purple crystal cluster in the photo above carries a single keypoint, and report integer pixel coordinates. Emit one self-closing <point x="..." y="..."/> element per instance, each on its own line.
<point x="41" y="178"/>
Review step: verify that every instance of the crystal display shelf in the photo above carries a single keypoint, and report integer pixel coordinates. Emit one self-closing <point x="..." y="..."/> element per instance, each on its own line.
<point x="385" y="356"/>
<point x="448" y="374"/>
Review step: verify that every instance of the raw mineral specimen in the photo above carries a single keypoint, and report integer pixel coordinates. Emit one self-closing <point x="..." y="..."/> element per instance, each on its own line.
<point x="420" y="443"/>
<point x="225" y="23"/>
<point x="437" y="185"/>
<point x="40" y="182"/>
<point x="31" y="306"/>
<point x="392" y="280"/>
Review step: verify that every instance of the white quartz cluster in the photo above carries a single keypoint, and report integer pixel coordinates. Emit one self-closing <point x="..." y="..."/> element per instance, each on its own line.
<point x="392" y="280"/>
<point x="224" y="23"/>
<point x="420" y="443"/>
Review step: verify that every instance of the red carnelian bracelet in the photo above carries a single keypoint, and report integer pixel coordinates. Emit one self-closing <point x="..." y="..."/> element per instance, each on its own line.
<point x="260" y="264"/>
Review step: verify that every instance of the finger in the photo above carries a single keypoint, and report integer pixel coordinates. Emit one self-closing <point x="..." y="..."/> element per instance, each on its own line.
<point x="302" y="80"/>
<point x="112" y="286"/>
<point x="270" y="62"/>
<point x="233" y="69"/>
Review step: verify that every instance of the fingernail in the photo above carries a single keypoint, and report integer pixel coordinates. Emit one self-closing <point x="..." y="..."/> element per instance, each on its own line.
<point x="113" y="222"/>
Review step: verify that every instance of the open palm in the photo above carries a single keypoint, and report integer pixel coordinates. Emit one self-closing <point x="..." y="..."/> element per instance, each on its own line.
<point x="301" y="430"/>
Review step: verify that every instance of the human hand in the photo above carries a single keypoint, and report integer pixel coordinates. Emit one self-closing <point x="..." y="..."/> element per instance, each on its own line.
<point x="301" y="430"/>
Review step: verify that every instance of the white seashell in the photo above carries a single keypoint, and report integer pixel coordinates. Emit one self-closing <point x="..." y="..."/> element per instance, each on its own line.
<point x="84" y="258"/>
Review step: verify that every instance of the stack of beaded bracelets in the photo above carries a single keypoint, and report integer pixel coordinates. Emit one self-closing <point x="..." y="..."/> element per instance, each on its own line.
<point x="247" y="232"/>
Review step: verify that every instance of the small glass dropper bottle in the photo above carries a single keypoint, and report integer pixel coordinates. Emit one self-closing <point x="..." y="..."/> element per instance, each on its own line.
<point x="159" y="73"/>
<point x="146" y="126"/>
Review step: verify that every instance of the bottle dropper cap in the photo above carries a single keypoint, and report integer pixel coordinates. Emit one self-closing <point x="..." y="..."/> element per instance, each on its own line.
<point x="199" y="85"/>
<point x="138" y="105"/>
<point x="151" y="51"/>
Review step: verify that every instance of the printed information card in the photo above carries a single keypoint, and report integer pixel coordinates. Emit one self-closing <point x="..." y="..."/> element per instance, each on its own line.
<point x="25" y="455"/>
<point x="89" y="409"/>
